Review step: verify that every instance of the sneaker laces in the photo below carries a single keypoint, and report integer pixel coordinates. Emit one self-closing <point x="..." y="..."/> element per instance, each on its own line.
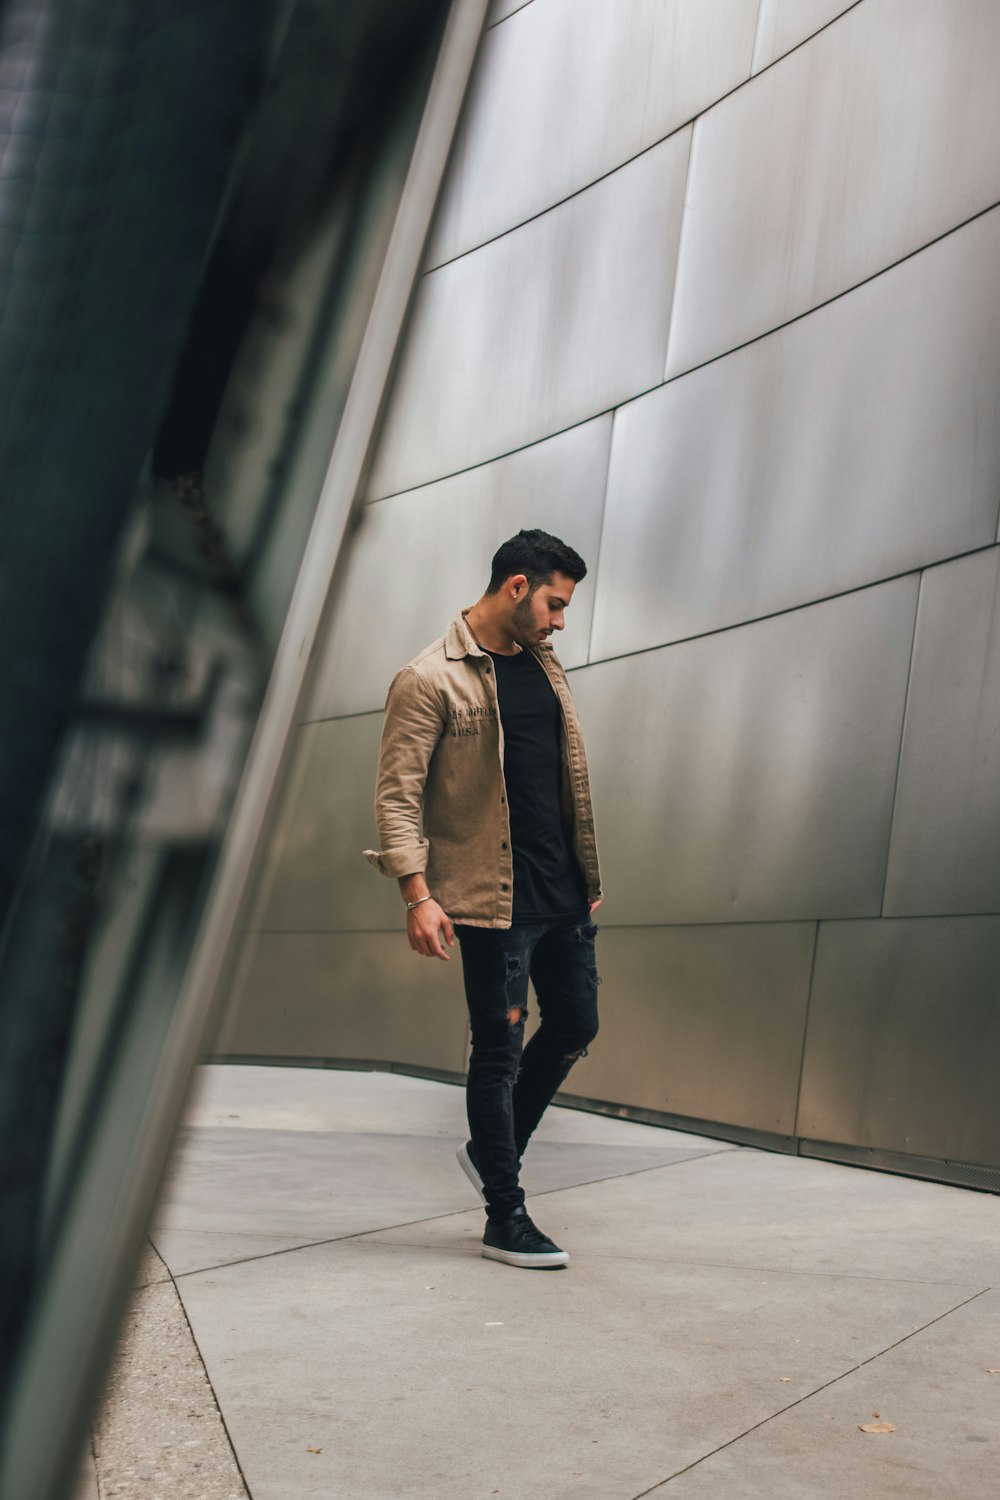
<point x="532" y="1235"/>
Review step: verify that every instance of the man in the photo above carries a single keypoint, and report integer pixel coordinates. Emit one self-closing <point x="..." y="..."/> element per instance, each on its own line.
<point x="483" y="809"/>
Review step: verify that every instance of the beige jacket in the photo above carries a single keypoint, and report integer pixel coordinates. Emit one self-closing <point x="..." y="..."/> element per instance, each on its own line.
<point x="440" y="797"/>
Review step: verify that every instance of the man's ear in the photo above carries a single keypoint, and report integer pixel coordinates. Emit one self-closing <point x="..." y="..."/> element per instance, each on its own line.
<point x="517" y="584"/>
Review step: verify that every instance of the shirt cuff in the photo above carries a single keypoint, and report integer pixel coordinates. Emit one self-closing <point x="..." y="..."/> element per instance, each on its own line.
<point x="411" y="860"/>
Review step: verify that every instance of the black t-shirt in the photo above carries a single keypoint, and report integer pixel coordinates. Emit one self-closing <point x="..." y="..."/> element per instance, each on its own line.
<point x="547" y="877"/>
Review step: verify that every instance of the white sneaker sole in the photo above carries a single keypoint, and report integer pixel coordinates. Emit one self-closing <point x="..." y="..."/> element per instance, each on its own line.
<point x="465" y="1162"/>
<point x="528" y="1262"/>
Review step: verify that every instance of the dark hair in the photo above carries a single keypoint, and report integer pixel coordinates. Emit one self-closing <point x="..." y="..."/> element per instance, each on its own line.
<point x="537" y="555"/>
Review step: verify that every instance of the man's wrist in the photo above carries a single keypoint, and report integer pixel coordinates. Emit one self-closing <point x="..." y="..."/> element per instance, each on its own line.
<point x="413" y="888"/>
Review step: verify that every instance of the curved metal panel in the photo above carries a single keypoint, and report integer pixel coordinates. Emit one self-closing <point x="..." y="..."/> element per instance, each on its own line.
<point x="748" y="775"/>
<point x="437" y="542"/>
<point x="500" y="9"/>
<point x="860" y="442"/>
<point x="553" y="323"/>
<point x="903" y="1041"/>
<point x="356" y="995"/>
<point x="783" y="24"/>
<point x="590" y="83"/>
<point x="944" y="854"/>
<point x="816" y="174"/>
<point x="702" y="1021"/>
<point x="313" y="877"/>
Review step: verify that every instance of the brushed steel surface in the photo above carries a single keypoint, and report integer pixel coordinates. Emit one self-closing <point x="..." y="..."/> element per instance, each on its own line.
<point x="748" y="775"/>
<point x="500" y="9"/>
<point x="570" y="90"/>
<point x="313" y="875"/>
<point x="944" y="854"/>
<point x="859" y="442"/>
<point x="555" y="322"/>
<point x="705" y="1022"/>
<point x="347" y="995"/>
<point x="420" y="557"/>
<point x="783" y="24"/>
<point x="881" y="133"/>
<point x="903" y="1041"/>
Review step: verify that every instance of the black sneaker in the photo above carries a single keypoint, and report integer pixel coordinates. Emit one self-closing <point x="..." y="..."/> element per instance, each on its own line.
<point x="467" y="1161"/>
<point x="518" y="1242"/>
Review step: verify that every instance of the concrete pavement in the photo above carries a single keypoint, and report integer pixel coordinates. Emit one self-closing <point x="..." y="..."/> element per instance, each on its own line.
<point x="730" y="1321"/>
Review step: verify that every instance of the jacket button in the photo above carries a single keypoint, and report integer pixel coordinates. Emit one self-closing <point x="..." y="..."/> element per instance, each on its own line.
<point x="488" y="668"/>
<point x="503" y="885"/>
<point x="503" y="844"/>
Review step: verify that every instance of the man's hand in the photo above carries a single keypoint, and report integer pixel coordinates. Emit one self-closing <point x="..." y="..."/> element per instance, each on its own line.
<point x="595" y="904"/>
<point x="425" y="925"/>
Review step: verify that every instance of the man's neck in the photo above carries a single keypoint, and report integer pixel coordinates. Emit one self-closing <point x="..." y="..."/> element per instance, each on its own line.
<point x="488" y="633"/>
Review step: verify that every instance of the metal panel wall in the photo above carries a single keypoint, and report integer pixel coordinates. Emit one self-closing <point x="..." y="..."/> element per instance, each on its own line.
<point x="355" y="995"/>
<point x="851" y="152"/>
<point x="312" y="877"/>
<point x="551" y="324"/>
<point x="448" y="532"/>
<point x="501" y="9"/>
<point x="721" y="1013"/>
<point x="903" y="1041"/>
<point x="772" y="781"/>
<point x="748" y="775"/>
<point x="783" y="24"/>
<point x="653" y="64"/>
<point x="945" y="850"/>
<point x="860" y="442"/>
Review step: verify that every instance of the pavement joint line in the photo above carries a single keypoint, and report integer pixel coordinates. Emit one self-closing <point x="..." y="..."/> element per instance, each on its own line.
<point x="208" y="1379"/>
<point x="451" y="1213"/>
<point x="662" y="1483"/>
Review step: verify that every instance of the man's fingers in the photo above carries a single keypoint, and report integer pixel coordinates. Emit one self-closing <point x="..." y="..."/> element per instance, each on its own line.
<point x="427" y="940"/>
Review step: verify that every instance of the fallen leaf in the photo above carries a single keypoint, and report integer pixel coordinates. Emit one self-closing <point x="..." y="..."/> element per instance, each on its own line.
<point x="992" y="1370"/>
<point x="428" y="1288"/>
<point x="493" y="1325"/>
<point x="314" y="1450"/>
<point x="877" y="1427"/>
<point x="784" y="1379"/>
<point x="876" y="1414"/>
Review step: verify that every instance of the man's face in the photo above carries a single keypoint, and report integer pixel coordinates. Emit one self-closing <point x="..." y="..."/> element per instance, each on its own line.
<point x="536" y="615"/>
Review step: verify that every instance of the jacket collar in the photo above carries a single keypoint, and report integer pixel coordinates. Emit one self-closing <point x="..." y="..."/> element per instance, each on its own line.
<point x="459" y="640"/>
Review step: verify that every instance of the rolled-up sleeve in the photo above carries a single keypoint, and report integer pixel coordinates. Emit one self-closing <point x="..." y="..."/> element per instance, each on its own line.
<point x="414" y="723"/>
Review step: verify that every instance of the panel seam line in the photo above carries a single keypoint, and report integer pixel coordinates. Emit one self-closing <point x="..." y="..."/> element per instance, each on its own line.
<point x="628" y="160"/>
<point x="481" y="463"/>
<point x="902" y="739"/>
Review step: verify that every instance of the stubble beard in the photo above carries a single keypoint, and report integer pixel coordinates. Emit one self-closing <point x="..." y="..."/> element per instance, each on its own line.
<point x="525" y="630"/>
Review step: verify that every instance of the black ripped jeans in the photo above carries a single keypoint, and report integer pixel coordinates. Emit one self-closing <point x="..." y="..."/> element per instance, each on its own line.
<point x="510" y="1084"/>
